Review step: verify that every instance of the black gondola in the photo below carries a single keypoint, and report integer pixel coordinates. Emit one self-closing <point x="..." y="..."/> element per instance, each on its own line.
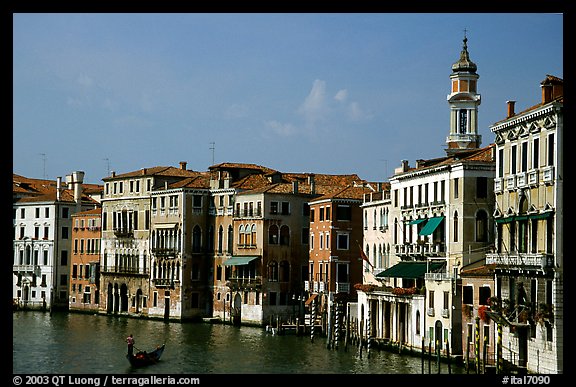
<point x="144" y="358"/>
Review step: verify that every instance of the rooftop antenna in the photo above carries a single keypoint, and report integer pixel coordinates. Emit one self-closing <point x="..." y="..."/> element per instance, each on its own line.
<point x="107" y="166"/>
<point x="212" y="147"/>
<point x="44" y="165"/>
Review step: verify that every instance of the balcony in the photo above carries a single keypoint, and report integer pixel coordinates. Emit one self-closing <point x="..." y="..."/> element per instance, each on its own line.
<point x="420" y="249"/>
<point x="533" y="177"/>
<point x="236" y="283"/>
<point x="342" y="287"/>
<point x="123" y="233"/>
<point x="430" y="312"/>
<point x="521" y="180"/>
<point x="445" y="313"/>
<point x="498" y="185"/>
<point x="510" y="182"/>
<point x="518" y="261"/>
<point x="165" y="283"/>
<point x="438" y="276"/>
<point x="26" y="269"/>
<point x="548" y="175"/>
<point x="164" y="252"/>
<point x="123" y="270"/>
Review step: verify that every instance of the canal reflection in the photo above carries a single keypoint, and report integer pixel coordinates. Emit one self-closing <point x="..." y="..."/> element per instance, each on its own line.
<point x="72" y="343"/>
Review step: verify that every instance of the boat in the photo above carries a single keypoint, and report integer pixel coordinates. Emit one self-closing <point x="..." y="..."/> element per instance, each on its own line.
<point x="144" y="358"/>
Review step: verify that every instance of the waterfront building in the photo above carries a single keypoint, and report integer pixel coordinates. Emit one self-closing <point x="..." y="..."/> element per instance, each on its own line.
<point x="336" y="263"/>
<point x="85" y="261"/>
<point x="479" y="332"/>
<point x="529" y="218"/>
<point x="42" y="237"/>
<point x="180" y="262"/>
<point x="125" y="261"/>
<point x="440" y="219"/>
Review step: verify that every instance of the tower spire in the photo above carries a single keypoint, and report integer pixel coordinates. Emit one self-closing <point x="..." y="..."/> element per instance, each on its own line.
<point x="464" y="101"/>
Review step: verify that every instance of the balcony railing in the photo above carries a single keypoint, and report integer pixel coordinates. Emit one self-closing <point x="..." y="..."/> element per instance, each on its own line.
<point x="164" y="252"/>
<point x="420" y="249"/>
<point x="165" y="282"/>
<point x="521" y="260"/>
<point x="342" y="287"/>
<point x="244" y="282"/>
<point x="112" y="269"/>
<point x="548" y="175"/>
<point x="26" y="268"/>
<point x="123" y="232"/>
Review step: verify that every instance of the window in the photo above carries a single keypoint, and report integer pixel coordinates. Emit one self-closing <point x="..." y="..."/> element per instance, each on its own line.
<point x="446" y="300"/>
<point x="305" y="235"/>
<point x="311" y="215"/>
<point x="431" y="298"/>
<point x="463" y="121"/>
<point x="285" y="235"/>
<point x="484" y="293"/>
<point x="327" y="214"/>
<point x="513" y="159"/>
<point x="456" y="188"/>
<point x="551" y="149"/>
<point x="343" y="212"/>
<point x="468" y="294"/>
<point x="273" y="208"/>
<point x="273" y="235"/>
<point x="321" y="214"/>
<point x="481" y="187"/>
<point x="536" y="153"/>
<point x="455" y="226"/>
<point x="500" y="162"/>
<point x="197" y="201"/>
<point x="273" y="271"/>
<point x="481" y="226"/>
<point x="342" y="241"/>
<point x="64" y="232"/>
<point x="65" y="212"/>
<point x="342" y="273"/>
<point x="285" y="208"/>
<point x="524" y="160"/>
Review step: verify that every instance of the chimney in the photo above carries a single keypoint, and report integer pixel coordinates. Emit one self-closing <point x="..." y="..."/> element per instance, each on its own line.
<point x="113" y="173"/>
<point x="58" y="188"/>
<point x="295" y="187"/>
<point x="143" y="171"/>
<point x="510" y="112"/>
<point x="183" y="165"/>
<point x="312" y="184"/>
<point x="77" y="180"/>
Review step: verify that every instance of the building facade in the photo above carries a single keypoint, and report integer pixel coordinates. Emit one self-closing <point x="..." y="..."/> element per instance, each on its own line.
<point x="440" y="220"/>
<point x="42" y="219"/>
<point x="85" y="261"/>
<point x="529" y="217"/>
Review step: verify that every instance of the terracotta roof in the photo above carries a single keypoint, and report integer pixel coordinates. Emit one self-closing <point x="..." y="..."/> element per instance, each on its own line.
<point x="348" y="192"/>
<point x="94" y="211"/>
<point x="481" y="271"/>
<point x="28" y="190"/>
<point x="228" y="165"/>
<point x="156" y="171"/>
<point x="202" y="180"/>
<point x="477" y="155"/>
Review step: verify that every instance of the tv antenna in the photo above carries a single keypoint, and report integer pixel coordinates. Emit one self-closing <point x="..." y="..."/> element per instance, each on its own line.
<point x="44" y="176"/>
<point x="107" y="166"/>
<point x="212" y="147"/>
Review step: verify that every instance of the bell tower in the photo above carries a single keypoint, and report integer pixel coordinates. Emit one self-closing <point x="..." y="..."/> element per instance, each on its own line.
<point x="464" y="101"/>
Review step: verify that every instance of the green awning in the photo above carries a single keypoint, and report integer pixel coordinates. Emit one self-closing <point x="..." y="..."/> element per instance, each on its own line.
<point x="543" y="215"/>
<point x="431" y="225"/>
<point x="410" y="269"/>
<point x="240" y="260"/>
<point x="416" y="221"/>
<point x="524" y="217"/>
<point x="504" y="220"/>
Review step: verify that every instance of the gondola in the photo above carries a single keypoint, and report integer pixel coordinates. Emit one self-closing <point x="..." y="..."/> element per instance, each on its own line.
<point x="144" y="358"/>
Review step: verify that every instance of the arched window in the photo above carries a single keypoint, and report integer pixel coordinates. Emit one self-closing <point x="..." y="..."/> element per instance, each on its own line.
<point x="455" y="226"/>
<point x="481" y="226"/>
<point x="374" y="225"/>
<point x="196" y="238"/>
<point x="241" y="236"/>
<point x="284" y="235"/>
<point x="230" y="247"/>
<point x="273" y="235"/>
<point x="220" y="239"/>
<point x="417" y="322"/>
<point x="248" y="235"/>
<point x="253" y="232"/>
<point x="273" y="271"/>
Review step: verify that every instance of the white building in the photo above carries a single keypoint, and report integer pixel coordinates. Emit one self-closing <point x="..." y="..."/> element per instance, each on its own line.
<point x="42" y="219"/>
<point x="529" y="215"/>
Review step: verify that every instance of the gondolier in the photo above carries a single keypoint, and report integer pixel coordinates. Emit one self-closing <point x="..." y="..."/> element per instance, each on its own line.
<point x="130" y="341"/>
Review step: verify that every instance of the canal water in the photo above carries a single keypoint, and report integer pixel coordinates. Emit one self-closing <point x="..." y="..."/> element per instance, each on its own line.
<point x="73" y="343"/>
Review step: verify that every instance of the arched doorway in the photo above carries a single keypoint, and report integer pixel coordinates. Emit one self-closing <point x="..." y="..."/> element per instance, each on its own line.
<point x="124" y="298"/>
<point x="438" y="334"/>
<point x="237" y="310"/>
<point x="110" y="299"/>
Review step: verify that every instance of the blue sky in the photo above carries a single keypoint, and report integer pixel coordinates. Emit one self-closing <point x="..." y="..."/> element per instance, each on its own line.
<point x="332" y="93"/>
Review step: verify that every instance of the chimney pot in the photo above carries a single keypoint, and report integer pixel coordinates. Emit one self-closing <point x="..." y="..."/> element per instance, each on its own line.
<point x="510" y="112"/>
<point x="183" y="165"/>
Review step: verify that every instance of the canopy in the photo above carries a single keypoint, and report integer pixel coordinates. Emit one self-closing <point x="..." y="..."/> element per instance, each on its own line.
<point x="410" y="269"/>
<point x="240" y="260"/>
<point x="431" y="225"/>
<point x="416" y="221"/>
